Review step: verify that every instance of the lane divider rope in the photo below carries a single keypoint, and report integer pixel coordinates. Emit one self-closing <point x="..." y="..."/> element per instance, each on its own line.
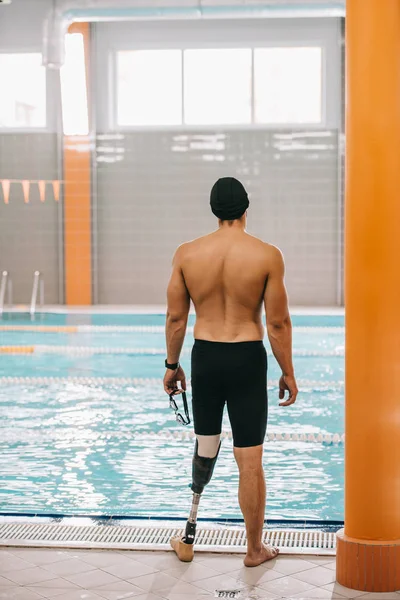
<point x="41" y="328"/>
<point x="327" y="438"/>
<point x="17" y="349"/>
<point x="144" y="381"/>
<point x="133" y="329"/>
<point x="323" y="438"/>
<point x="89" y="350"/>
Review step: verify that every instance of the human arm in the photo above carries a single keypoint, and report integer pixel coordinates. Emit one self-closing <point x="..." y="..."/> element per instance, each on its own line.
<point x="279" y="326"/>
<point x="178" y="304"/>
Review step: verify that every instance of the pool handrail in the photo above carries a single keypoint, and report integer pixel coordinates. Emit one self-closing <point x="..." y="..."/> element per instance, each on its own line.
<point x="5" y="285"/>
<point x="38" y="286"/>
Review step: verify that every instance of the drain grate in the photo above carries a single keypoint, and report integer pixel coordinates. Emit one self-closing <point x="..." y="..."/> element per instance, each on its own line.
<point x="217" y="539"/>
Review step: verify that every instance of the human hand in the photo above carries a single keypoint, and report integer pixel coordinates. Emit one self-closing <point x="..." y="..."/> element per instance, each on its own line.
<point x="288" y="383"/>
<point x="171" y="379"/>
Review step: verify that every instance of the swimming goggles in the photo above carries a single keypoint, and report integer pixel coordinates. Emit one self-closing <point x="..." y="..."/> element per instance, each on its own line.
<point x="172" y="404"/>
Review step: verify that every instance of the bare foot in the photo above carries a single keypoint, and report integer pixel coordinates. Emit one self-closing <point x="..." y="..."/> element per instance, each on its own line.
<point x="267" y="552"/>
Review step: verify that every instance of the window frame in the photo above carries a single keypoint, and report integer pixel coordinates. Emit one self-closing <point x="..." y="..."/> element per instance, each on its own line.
<point x="113" y="98"/>
<point x="51" y="94"/>
<point x="251" y="33"/>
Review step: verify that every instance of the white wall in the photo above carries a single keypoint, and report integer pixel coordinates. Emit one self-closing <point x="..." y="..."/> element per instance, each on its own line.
<point x="30" y="234"/>
<point x="295" y="195"/>
<point x="21" y="25"/>
<point x="156" y="197"/>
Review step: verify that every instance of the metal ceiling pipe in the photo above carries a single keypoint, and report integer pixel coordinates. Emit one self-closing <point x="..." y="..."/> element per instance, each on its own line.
<point x="65" y="12"/>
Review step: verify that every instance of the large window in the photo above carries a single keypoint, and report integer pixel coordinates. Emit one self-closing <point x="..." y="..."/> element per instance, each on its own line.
<point x="73" y="87"/>
<point x="287" y="85"/>
<point x="217" y="86"/>
<point x="149" y="87"/>
<point x="23" y="90"/>
<point x="231" y="86"/>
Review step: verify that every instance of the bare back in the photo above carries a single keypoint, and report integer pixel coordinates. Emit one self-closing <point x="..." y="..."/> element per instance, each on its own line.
<point x="225" y="274"/>
<point x="229" y="275"/>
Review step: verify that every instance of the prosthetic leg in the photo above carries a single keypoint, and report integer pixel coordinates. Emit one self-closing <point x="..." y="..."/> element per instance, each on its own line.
<point x="202" y="470"/>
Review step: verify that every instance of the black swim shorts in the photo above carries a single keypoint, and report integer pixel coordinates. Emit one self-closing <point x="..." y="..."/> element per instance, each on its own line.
<point x="235" y="373"/>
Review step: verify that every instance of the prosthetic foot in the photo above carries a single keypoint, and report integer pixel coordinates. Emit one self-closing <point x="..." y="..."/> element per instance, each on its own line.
<point x="202" y="470"/>
<point x="185" y="552"/>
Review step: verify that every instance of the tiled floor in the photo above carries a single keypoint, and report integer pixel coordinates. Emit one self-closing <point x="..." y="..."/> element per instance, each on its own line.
<point x="31" y="574"/>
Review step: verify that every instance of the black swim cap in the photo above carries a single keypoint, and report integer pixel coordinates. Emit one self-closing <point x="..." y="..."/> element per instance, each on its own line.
<point x="228" y="199"/>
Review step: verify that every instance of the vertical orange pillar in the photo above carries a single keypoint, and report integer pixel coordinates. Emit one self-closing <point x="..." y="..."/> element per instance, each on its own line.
<point x="368" y="550"/>
<point x="77" y="204"/>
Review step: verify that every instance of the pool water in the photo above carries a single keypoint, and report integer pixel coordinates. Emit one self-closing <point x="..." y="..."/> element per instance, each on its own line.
<point x="70" y="446"/>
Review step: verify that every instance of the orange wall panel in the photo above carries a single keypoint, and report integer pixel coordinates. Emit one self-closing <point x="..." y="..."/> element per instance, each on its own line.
<point x="77" y="205"/>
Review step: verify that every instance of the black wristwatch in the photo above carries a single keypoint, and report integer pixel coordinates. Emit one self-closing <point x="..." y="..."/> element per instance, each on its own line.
<point x="173" y="366"/>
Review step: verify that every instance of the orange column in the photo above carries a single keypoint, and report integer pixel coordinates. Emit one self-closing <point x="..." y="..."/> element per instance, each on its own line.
<point x="368" y="553"/>
<point x="77" y="205"/>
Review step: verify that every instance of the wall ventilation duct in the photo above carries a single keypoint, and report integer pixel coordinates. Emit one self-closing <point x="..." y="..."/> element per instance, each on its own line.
<point x="65" y="12"/>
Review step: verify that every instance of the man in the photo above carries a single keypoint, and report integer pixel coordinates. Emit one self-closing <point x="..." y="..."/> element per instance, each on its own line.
<point x="228" y="274"/>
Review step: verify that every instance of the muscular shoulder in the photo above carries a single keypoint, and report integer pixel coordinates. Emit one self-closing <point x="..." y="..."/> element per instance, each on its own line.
<point x="180" y="254"/>
<point x="268" y="250"/>
<point x="185" y="250"/>
<point x="273" y="252"/>
<point x="275" y="259"/>
<point x="270" y="256"/>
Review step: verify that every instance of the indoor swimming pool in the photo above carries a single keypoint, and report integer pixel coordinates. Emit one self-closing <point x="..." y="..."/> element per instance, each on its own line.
<point x="86" y="428"/>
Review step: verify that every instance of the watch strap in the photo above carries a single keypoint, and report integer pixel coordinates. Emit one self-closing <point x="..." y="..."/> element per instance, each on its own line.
<point x="172" y="366"/>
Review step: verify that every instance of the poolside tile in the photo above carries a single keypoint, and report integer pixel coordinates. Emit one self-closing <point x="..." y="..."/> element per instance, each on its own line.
<point x="57" y="582"/>
<point x="113" y="595"/>
<point x="254" y="575"/>
<point x="160" y="575"/>
<point x="79" y="595"/>
<point x="9" y="562"/>
<point x="155" y="581"/>
<point x="149" y="596"/>
<point x="39" y="556"/>
<point x="19" y="593"/>
<point x="118" y="591"/>
<point x="128" y="568"/>
<point x="103" y="559"/>
<point x="158" y="560"/>
<point x="286" y="586"/>
<point x="118" y="586"/>
<point x="380" y="596"/>
<point x="182" y="588"/>
<point x="221" y="582"/>
<point x="29" y="576"/>
<point x="258" y="593"/>
<point x="136" y="569"/>
<point x="92" y="579"/>
<point x="221" y="562"/>
<point x="318" y="560"/>
<point x="49" y="592"/>
<point x="78" y="553"/>
<point x="191" y="572"/>
<point x="317" y="593"/>
<point x="68" y="567"/>
<point x="343" y="591"/>
<point x="317" y="576"/>
<point x="287" y="565"/>
<point x="201" y="595"/>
